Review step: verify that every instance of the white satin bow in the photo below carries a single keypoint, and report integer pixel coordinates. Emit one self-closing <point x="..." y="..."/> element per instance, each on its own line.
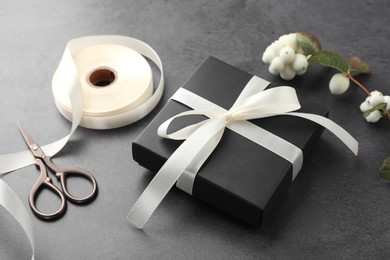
<point x="202" y="138"/>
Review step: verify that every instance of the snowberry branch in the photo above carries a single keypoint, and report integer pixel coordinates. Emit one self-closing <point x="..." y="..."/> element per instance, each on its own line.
<point x="291" y="55"/>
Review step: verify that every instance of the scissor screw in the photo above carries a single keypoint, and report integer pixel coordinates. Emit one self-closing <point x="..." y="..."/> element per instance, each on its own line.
<point x="35" y="147"/>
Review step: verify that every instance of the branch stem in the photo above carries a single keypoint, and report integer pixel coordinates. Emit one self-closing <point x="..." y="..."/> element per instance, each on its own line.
<point x="358" y="83"/>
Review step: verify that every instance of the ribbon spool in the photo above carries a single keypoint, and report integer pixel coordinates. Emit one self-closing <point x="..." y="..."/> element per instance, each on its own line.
<point x="116" y="80"/>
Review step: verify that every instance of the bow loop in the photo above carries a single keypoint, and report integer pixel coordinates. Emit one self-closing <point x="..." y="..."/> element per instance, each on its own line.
<point x="184" y="132"/>
<point x="270" y="102"/>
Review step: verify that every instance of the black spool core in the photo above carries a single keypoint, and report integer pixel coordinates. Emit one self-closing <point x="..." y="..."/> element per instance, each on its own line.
<point x="102" y="77"/>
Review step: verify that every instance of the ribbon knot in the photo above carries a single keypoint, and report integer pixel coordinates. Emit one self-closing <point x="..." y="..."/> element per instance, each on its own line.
<point x="228" y="117"/>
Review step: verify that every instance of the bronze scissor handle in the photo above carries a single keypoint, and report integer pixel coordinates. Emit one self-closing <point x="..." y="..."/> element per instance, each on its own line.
<point x="62" y="173"/>
<point x="44" y="181"/>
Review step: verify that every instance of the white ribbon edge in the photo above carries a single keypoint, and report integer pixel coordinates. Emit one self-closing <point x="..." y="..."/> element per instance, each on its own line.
<point x="14" y="161"/>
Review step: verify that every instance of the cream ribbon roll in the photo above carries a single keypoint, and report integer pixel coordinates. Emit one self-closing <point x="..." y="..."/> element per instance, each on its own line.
<point x="102" y="82"/>
<point x="116" y="81"/>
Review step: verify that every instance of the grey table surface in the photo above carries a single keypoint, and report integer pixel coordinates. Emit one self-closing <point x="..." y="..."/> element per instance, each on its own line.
<point x="338" y="206"/>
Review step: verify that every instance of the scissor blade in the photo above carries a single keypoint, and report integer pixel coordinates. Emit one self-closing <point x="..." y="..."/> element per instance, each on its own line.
<point x="27" y="137"/>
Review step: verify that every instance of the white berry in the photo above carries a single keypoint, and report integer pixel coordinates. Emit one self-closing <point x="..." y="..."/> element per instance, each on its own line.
<point x="374" y="116"/>
<point x="283" y="38"/>
<point x="302" y="72"/>
<point x="290" y="40"/>
<point x="287" y="73"/>
<point x="276" y="46"/>
<point x="338" y="84"/>
<point x="387" y="100"/>
<point x="365" y="106"/>
<point x="286" y="57"/>
<point x="287" y="54"/>
<point x="376" y="98"/>
<point x="300" y="63"/>
<point x="268" y="55"/>
<point x="276" y="66"/>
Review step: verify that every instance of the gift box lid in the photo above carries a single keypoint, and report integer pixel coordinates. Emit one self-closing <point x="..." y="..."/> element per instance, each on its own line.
<point x="240" y="177"/>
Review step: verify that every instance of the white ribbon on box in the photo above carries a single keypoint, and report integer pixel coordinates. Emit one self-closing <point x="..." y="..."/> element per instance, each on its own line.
<point x="69" y="93"/>
<point x="202" y="138"/>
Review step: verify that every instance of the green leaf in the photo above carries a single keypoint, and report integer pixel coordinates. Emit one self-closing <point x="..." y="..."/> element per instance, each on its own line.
<point x="381" y="107"/>
<point x="357" y="65"/>
<point x="385" y="169"/>
<point x="308" y="42"/>
<point x="330" y="59"/>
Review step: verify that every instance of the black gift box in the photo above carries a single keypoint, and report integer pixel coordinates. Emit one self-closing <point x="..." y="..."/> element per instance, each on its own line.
<point x="240" y="177"/>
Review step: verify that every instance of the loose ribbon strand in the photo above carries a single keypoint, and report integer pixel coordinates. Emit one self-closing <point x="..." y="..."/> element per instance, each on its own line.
<point x="11" y="202"/>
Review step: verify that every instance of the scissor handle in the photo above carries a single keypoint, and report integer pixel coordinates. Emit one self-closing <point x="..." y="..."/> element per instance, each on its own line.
<point x="62" y="173"/>
<point x="44" y="181"/>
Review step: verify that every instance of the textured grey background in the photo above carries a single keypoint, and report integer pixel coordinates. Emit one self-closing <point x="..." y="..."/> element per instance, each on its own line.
<point x="338" y="206"/>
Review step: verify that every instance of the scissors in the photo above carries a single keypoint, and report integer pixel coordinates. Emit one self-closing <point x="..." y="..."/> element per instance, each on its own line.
<point x="44" y="181"/>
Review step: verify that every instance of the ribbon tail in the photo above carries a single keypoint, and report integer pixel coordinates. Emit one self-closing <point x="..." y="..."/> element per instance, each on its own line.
<point x="186" y="180"/>
<point x="254" y="85"/>
<point x="11" y="202"/>
<point x="172" y="169"/>
<point x="76" y="98"/>
<point x="13" y="161"/>
<point x="337" y="130"/>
